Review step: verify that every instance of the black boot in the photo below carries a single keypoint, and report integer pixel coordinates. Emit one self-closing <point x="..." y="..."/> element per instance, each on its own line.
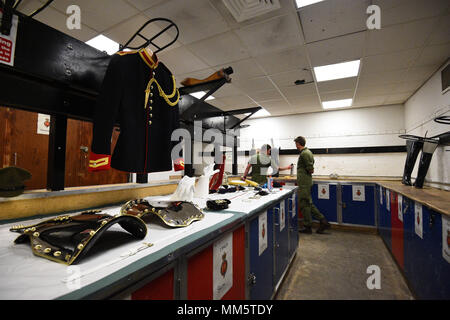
<point x="412" y="148"/>
<point x="324" y="225"/>
<point x="306" y="229"/>
<point x="425" y="160"/>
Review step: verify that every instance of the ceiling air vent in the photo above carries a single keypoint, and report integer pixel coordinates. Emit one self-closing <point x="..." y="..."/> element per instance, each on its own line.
<point x="246" y="9"/>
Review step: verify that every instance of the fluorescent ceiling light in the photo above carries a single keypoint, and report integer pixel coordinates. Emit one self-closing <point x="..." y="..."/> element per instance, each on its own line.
<point x="304" y="3"/>
<point x="337" y="103"/>
<point x="337" y="71"/>
<point x="261" y="113"/>
<point x="200" y="94"/>
<point x="103" y="43"/>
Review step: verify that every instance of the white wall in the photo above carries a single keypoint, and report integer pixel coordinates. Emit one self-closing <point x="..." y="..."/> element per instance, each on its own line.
<point x="375" y="126"/>
<point x="420" y="110"/>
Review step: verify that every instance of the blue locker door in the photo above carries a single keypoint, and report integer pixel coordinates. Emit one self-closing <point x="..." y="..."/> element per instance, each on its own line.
<point x="385" y="218"/>
<point x="291" y="203"/>
<point x="408" y="231"/>
<point x="261" y="259"/>
<point x="358" y="212"/>
<point x="442" y="274"/>
<point x="280" y="242"/>
<point x="328" y="207"/>
<point x="425" y="266"/>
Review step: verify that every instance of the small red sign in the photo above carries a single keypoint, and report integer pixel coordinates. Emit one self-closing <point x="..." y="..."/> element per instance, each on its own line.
<point x="5" y="50"/>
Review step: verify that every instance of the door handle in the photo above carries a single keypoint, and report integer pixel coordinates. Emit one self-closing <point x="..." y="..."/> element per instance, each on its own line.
<point x="84" y="149"/>
<point x="251" y="279"/>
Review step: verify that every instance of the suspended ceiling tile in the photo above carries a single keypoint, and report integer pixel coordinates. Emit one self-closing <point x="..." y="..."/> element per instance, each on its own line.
<point x="399" y="37"/>
<point x="144" y="4"/>
<point x="56" y="20"/>
<point x="294" y="92"/>
<point x="217" y="103"/>
<point x="261" y="96"/>
<point x="368" y="101"/>
<point x="221" y="49"/>
<point x="408" y="86"/>
<point x="384" y="77"/>
<point x="255" y="84"/>
<point x="181" y="61"/>
<point x="331" y="18"/>
<point x="401" y="11"/>
<point x="368" y="90"/>
<point x="100" y="15"/>
<point x="433" y="55"/>
<point x="284" y="60"/>
<point x="398" y="98"/>
<point x="307" y="110"/>
<point x="421" y="73"/>
<point x="243" y="69"/>
<point x="340" y="49"/>
<point x="330" y="96"/>
<point x="196" y="20"/>
<point x="286" y="79"/>
<point x="236" y="100"/>
<point x="441" y="34"/>
<point x="337" y="85"/>
<point x="271" y="35"/>
<point x="286" y="7"/>
<point x="390" y="61"/>
<point x="273" y="105"/>
<point x="310" y="101"/>
<point x="228" y="89"/>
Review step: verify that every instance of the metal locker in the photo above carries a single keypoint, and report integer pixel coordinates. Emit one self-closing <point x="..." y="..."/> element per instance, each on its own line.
<point x="280" y="243"/>
<point x="397" y="237"/>
<point x="384" y="219"/>
<point x="261" y="257"/>
<point x="425" y="268"/>
<point x="200" y="270"/>
<point x="293" y="223"/>
<point x="354" y="209"/>
<point x="328" y="207"/>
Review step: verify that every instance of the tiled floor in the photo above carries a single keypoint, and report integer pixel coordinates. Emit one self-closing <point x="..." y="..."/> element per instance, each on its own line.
<point x="334" y="266"/>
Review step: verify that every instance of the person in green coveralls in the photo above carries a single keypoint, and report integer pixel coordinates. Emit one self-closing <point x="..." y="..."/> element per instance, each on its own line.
<point x="305" y="169"/>
<point x="260" y="164"/>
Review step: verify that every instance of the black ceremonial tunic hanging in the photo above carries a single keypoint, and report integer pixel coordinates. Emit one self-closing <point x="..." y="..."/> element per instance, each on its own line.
<point x="141" y="92"/>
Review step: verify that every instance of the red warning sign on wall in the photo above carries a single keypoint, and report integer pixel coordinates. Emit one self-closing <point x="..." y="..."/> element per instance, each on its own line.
<point x="8" y="43"/>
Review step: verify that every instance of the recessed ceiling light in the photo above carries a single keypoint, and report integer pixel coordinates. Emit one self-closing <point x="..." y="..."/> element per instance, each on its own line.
<point x="261" y="113"/>
<point x="337" y="103"/>
<point x="304" y="3"/>
<point x="200" y="94"/>
<point x="337" y="71"/>
<point x="103" y="43"/>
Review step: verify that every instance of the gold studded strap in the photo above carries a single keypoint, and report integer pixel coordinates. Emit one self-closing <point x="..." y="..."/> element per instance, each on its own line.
<point x="86" y="228"/>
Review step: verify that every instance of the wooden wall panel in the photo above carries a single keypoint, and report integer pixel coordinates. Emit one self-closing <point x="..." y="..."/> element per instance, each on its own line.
<point x="23" y="147"/>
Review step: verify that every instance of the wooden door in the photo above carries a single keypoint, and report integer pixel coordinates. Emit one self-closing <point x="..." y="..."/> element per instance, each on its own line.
<point x="23" y="147"/>
<point x="79" y="137"/>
